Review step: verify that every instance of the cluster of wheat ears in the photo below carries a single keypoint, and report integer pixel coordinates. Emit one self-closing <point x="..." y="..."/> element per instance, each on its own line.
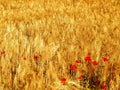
<point x="59" y="44"/>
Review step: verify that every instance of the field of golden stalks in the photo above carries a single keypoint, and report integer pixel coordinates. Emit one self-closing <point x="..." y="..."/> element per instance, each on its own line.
<point x="40" y="41"/>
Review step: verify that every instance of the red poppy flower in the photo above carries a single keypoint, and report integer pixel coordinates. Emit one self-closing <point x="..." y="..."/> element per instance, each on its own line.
<point x="80" y="77"/>
<point x="36" y="57"/>
<point x="3" y="53"/>
<point x="88" y="58"/>
<point x="105" y="59"/>
<point x="95" y="63"/>
<point x="104" y="87"/>
<point x="63" y="80"/>
<point x="77" y="61"/>
<point x="73" y="67"/>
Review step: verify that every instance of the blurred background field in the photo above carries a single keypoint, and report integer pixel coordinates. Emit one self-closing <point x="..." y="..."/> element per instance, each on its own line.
<point x="58" y="32"/>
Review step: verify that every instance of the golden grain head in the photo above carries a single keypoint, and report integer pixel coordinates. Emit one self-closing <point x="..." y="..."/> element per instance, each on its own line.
<point x="59" y="32"/>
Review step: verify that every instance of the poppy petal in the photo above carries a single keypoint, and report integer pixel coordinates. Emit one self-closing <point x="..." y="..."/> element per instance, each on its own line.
<point x="63" y="80"/>
<point x="73" y="67"/>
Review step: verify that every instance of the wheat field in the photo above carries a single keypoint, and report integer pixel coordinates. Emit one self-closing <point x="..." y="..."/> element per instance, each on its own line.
<point x="41" y="39"/>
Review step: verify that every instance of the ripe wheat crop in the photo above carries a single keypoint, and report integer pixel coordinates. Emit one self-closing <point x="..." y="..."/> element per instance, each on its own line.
<point x="59" y="44"/>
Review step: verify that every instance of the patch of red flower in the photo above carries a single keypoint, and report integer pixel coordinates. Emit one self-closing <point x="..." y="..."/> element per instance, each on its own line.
<point x="104" y="87"/>
<point x="3" y="53"/>
<point x="105" y="59"/>
<point x="77" y="61"/>
<point x="73" y="67"/>
<point x="80" y="77"/>
<point x="63" y="80"/>
<point x="95" y="63"/>
<point x="88" y="58"/>
<point x="36" y="57"/>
